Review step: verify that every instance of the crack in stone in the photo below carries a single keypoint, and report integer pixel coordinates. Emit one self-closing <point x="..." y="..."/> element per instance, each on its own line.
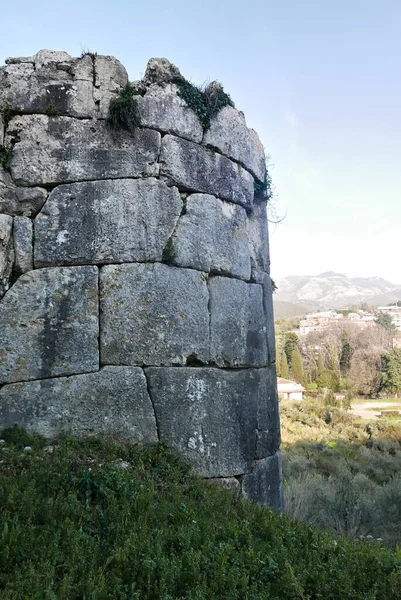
<point x="149" y="389"/>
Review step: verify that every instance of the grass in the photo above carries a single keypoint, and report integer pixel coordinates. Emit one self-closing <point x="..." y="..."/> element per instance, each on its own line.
<point x="378" y="400"/>
<point x="96" y="520"/>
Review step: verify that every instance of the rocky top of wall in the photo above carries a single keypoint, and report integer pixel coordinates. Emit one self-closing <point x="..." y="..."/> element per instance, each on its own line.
<point x="125" y="254"/>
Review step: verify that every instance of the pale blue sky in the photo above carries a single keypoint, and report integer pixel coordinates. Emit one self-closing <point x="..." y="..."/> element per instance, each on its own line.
<point x="318" y="79"/>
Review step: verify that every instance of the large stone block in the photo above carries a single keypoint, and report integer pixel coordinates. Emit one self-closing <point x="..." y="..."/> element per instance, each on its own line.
<point x="237" y="323"/>
<point x="199" y="169"/>
<point x="54" y="150"/>
<point x="49" y="324"/>
<point x="207" y="415"/>
<point x="23" y="240"/>
<point x="264" y="483"/>
<point x="153" y="314"/>
<point x="6" y="252"/>
<point x="229" y="134"/>
<point x="162" y="108"/>
<point x="16" y="200"/>
<point x="79" y="87"/>
<point x="212" y="236"/>
<point x="48" y="81"/>
<point x="113" y="402"/>
<point x="112" y="221"/>
<point x="258" y="235"/>
<point x="110" y="77"/>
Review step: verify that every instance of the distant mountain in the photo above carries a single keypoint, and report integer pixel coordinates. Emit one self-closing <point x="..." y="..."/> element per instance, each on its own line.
<point x="335" y="290"/>
<point x="286" y="310"/>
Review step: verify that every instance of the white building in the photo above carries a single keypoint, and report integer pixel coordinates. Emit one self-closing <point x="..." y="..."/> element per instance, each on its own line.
<point x="289" y="390"/>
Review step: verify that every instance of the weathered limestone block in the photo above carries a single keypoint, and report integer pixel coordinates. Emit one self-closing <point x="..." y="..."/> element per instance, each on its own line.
<point x="160" y="71"/>
<point x="110" y="77"/>
<point x="258" y="235"/>
<point x="212" y="236"/>
<point x="124" y="220"/>
<point x="264" y="483"/>
<point x="162" y="108"/>
<point x="47" y="82"/>
<point x="199" y="169"/>
<point x="16" y="200"/>
<point x="153" y="314"/>
<point x="6" y="252"/>
<point x="237" y="323"/>
<point x="23" y="249"/>
<point x="62" y="150"/>
<point x="113" y="402"/>
<point x="49" y="324"/>
<point x="230" y="135"/>
<point x="268" y="428"/>
<point x="208" y="416"/>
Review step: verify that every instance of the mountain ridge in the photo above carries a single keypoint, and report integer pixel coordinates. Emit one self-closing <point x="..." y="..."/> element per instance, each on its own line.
<point x="335" y="290"/>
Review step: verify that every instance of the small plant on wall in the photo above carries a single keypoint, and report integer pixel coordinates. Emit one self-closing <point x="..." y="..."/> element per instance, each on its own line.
<point x="123" y="110"/>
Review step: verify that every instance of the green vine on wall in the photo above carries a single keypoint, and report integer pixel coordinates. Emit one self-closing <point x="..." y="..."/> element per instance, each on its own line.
<point x="123" y="110"/>
<point x="264" y="188"/>
<point x="205" y="103"/>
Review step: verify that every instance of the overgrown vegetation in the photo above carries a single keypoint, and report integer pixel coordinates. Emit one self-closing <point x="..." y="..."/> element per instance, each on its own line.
<point x="94" y="520"/>
<point x="340" y="473"/>
<point x="205" y="103"/>
<point x="265" y="188"/>
<point x="123" y="110"/>
<point x="51" y="110"/>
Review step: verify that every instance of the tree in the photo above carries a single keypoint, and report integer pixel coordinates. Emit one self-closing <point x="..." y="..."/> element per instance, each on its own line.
<point x="384" y="320"/>
<point x="284" y="367"/>
<point x="297" y="367"/>
<point x="346" y="353"/>
<point x="391" y="375"/>
<point x="365" y="375"/>
<point x="291" y="342"/>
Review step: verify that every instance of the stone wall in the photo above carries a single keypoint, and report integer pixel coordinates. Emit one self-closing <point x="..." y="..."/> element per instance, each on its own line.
<point x="134" y="270"/>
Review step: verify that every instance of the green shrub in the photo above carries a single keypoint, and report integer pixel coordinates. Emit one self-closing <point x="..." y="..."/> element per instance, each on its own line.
<point x="94" y="520"/>
<point x="123" y="110"/>
<point x="338" y="472"/>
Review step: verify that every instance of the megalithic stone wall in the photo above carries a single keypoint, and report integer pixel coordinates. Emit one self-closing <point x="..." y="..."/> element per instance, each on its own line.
<point x="136" y="299"/>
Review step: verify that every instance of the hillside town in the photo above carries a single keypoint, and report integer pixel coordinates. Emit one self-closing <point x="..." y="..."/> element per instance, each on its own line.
<point x="321" y="320"/>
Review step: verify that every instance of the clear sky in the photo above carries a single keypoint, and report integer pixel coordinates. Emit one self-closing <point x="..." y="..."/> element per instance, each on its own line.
<point x="318" y="79"/>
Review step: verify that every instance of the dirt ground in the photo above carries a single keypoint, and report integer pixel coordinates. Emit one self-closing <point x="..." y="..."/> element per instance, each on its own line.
<point x="363" y="410"/>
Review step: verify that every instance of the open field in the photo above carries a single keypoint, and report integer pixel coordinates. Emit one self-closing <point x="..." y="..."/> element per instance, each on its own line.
<point x="342" y="472"/>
